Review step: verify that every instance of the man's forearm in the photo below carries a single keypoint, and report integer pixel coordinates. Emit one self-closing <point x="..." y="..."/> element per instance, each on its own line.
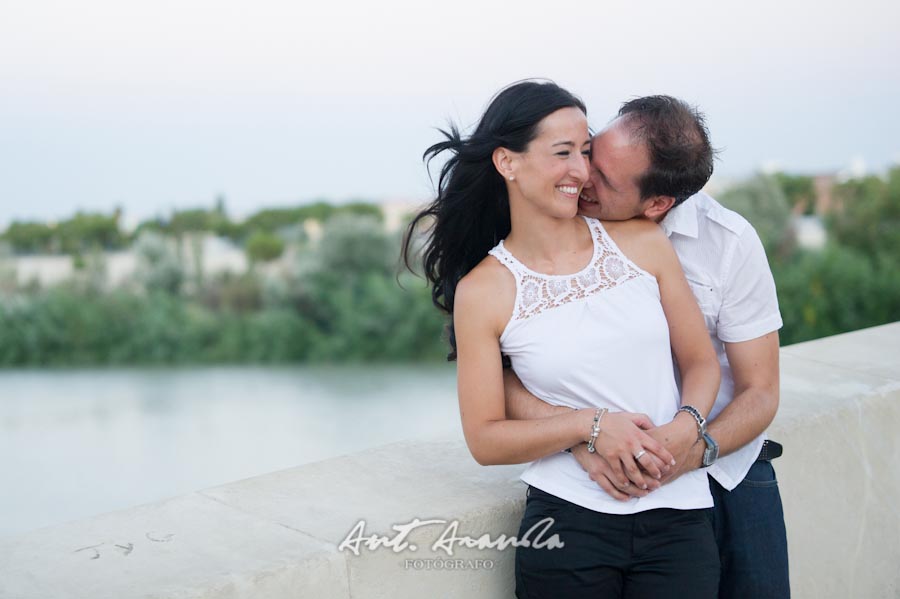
<point x="748" y="415"/>
<point x="754" y="366"/>
<point x="521" y="404"/>
<point x="745" y="418"/>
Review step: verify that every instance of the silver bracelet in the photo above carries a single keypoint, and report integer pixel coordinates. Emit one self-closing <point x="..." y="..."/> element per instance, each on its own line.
<point x="595" y="428"/>
<point x="701" y="421"/>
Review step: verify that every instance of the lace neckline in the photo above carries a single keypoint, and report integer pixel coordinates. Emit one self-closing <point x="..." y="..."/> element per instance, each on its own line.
<point x="537" y="292"/>
<point x="591" y="263"/>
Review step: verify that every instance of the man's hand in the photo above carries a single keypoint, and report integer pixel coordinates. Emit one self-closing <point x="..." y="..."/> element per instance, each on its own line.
<point x="680" y="438"/>
<point x="692" y="461"/>
<point x="754" y="366"/>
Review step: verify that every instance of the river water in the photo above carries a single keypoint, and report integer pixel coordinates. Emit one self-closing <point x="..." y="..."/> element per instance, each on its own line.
<point x="75" y="443"/>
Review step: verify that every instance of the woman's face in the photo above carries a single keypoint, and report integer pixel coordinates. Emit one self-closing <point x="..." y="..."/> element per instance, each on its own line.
<point x="551" y="171"/>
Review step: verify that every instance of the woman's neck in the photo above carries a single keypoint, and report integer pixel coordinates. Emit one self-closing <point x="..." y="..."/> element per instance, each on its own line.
<point x="546" y="244"/>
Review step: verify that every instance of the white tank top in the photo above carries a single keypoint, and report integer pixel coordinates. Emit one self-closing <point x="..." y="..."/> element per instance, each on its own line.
<point x="596" y="338"/>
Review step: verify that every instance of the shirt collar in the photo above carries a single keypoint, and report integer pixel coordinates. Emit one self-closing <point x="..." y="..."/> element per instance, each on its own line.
<point x="682" y="219"/>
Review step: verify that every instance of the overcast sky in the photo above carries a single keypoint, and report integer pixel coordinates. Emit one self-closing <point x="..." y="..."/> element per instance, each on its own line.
<point x="166" y="104"/>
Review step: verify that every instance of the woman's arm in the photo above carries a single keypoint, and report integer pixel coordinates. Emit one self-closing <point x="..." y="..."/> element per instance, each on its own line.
<point x="621" y="437"/>
<point x="481" y="309"/>
<point x="483" y="305"/>
<point x="693" y="349"/>
<point x="647" y="245"/>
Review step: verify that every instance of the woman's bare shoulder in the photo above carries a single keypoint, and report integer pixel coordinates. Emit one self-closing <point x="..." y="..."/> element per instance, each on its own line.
<point x="488" y="278"/>
<point x="489" y="289"/>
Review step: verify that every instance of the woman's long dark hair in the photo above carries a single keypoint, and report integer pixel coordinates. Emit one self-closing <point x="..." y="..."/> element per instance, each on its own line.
<point x="471" y="211"/>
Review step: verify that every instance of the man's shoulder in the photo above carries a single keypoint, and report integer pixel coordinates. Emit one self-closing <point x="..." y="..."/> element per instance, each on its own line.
<point x="716" y="216"/>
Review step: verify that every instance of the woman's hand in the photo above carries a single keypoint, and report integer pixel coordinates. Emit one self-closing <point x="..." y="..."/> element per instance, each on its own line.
<point x="601" y="473"/>
<point x="621" y="438"/>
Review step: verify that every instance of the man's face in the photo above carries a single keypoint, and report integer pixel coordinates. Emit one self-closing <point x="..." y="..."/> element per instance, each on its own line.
<point x="617" y="163"/>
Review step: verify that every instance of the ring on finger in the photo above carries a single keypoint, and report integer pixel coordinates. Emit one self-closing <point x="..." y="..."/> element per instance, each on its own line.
<point x="640" y="454"/>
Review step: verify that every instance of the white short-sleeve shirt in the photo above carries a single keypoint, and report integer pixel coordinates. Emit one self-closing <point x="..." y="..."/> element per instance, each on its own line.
<point x="726" y="267"/>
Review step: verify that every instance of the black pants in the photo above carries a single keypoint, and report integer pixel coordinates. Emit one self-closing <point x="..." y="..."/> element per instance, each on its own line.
<point x="654" y="554"/>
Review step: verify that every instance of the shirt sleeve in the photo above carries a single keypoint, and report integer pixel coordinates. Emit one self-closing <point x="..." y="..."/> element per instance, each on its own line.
<point x="749" y="304"/>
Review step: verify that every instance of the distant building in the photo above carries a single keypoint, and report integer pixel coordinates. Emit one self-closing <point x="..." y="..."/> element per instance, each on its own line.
<point x="212" y="254"/>
<point x="809" y="231"/>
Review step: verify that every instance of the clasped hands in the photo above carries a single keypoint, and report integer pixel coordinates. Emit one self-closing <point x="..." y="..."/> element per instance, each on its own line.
<point x="634" y="457"/>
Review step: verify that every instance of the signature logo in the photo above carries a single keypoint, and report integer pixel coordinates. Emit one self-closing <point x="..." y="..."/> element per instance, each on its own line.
<point x="356" y="540"/>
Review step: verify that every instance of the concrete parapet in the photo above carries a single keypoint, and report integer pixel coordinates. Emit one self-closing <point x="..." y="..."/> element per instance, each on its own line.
<point x="278" y="536"/>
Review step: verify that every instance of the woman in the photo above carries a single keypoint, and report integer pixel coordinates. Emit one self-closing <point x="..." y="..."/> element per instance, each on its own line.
<point x="586" y="325"/>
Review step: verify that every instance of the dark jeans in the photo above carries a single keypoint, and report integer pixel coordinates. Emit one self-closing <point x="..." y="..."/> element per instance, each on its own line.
<point x="656" y="554"/>
<point x="749" y="527"/>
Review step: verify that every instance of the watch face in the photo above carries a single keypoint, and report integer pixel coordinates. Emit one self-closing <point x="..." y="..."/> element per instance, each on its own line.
<point x="711" y="453"/>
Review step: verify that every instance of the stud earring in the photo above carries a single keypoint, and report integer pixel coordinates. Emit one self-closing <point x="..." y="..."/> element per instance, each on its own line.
<point x="511" y="178"/>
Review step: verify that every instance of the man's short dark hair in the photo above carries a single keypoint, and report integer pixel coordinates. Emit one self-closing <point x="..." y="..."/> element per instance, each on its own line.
<point x="675" y="133"/>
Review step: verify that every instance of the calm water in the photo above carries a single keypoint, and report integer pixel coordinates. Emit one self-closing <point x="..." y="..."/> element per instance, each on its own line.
<point x="78" y="443"/>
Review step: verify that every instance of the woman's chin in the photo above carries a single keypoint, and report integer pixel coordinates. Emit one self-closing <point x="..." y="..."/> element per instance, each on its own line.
<point x="589" y="209"/>
<point x="568" y="212"/>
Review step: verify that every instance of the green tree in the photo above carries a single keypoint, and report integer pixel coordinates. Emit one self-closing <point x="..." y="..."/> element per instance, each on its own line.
<point x="193" y="220"/>
<point x="264" y="247"/>
<point x="158" y="266"/>
<point x="273" y="219"/>
<point x="86" y="231"/>
<point x="361" y="208"/>
<point x="344" y="303"/>
<point x="869" y="215"/>
<point x="835" y="291"/>
<point x="798" y="189"/>
<point x="351" y="295"/>
<point x="29" y="237"/>
<point x="228" y="292"/>
<point x="355" y="245"/>
<point x="156" y="225"/>
<point x="761" y="201"/>
<point x="8" y="279"/>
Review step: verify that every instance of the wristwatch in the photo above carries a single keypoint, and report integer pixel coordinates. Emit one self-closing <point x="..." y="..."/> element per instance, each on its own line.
<point x="711" y="453"/>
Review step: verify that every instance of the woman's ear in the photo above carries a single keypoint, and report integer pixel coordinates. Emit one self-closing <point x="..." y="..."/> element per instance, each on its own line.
<point x="504" y="162"/>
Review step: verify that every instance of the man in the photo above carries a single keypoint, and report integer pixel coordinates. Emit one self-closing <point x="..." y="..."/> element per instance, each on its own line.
<point x="651" y="162"/>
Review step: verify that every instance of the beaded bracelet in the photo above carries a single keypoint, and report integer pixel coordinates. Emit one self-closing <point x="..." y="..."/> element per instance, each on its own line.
<point x="595" y="429"/>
